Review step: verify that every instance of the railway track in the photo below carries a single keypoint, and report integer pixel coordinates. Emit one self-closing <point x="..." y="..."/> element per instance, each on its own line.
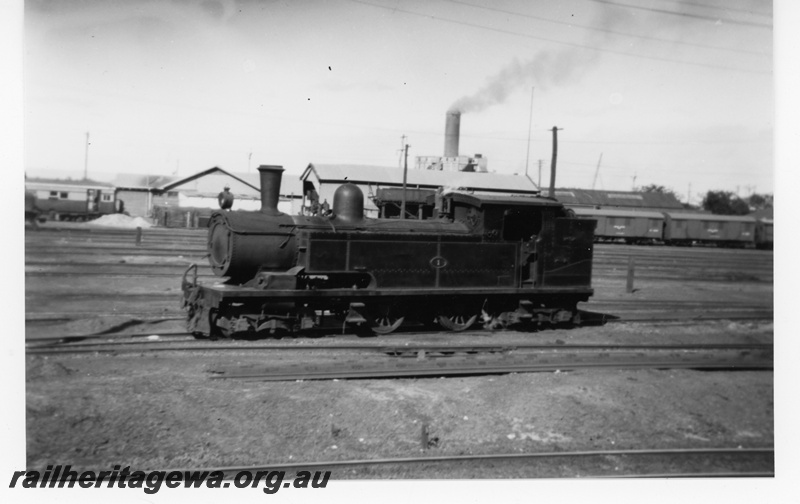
<point x="67" y="344"/>
<point x="614" y="304"/>
<point x="442" y="359"/>
<point x="529" y="362"/>
<point x="707" y="462"/>
<point x="611" y="316"/>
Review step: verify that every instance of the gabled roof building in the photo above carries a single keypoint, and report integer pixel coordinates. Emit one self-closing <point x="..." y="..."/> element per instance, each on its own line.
<point x="321" y="180"/>
<point x="617" y="199"/>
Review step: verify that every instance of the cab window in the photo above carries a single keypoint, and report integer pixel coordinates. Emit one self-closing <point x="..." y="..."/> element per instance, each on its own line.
<point x="521" y="224"/>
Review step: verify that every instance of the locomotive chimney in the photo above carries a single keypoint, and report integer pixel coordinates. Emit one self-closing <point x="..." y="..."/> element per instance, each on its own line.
<point x="451" y="132"/>
<point x="270" y="188"/>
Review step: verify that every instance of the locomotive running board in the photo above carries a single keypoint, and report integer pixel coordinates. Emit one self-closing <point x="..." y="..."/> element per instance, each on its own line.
<point x="224" y="291"/>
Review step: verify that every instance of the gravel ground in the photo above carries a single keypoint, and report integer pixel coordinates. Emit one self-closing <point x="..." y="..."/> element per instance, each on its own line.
<point x="160" y="410"/>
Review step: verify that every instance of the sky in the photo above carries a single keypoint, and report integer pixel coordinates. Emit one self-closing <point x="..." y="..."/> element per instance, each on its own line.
<point x="668" y="92"/>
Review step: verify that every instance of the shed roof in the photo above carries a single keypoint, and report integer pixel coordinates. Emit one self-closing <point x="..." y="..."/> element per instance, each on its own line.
<point x="50" y="182"/>
<point x="137" y="181"/>
<point x="363" y="174"/>
<point x="479" y="200"/>
<point x="290" y="183"/>
<point x="589" y="197"/>
<point x="411" y="195"/>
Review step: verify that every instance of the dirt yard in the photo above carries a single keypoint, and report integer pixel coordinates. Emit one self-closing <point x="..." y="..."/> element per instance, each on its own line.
<point x="158" y="410"/>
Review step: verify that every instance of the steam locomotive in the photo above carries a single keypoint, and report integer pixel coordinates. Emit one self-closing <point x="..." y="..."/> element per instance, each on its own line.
<point x="504" y="259"/>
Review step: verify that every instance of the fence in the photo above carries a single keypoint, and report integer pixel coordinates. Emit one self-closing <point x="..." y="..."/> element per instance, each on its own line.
<point x="181" y="217"/>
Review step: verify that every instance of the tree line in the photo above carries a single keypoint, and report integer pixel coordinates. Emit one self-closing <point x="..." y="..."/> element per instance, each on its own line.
<point x="720" y="202"/>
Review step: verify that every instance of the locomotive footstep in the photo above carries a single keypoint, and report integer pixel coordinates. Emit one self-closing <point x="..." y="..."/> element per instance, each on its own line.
<point x="456" y="323"/>
<point x="386" y="324"/>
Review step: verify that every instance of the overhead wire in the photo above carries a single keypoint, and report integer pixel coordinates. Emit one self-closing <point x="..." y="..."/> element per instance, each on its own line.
<point x="604" y="30"/>
<point x="570" y="44"/>
<point x="723" y="7"/>
<point x="685" y="14"/>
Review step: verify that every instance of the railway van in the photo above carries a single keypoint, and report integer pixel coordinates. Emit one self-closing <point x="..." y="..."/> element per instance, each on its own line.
<point x="73" y="201"/>
<point x="684" y="228"/>
<point x="630" y="226"/>
<point x="764" y="238"/>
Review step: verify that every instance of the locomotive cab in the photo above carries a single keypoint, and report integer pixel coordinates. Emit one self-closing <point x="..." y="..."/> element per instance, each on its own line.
<point x="554" y="248"/>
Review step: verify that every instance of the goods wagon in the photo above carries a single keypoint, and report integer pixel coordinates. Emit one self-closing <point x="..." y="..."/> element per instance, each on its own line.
<point x="764" y="238"/>
<point x="630" y="226"/>
<point x="728" y="230"/>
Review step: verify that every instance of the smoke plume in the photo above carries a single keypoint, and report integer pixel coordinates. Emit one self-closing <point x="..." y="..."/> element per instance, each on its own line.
<point x="546" y="69"/>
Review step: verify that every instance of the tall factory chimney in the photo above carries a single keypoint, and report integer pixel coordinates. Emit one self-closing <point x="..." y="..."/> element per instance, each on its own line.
<point x="270" y="188"/>
<point x="451" y="133"/>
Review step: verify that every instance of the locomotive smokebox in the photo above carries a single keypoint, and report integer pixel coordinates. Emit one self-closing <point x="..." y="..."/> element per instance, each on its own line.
<point x="242" y="243"/>
<point x="452" y="128"/>
<point x="270" y="188"/>
<point x="348" y="203"/>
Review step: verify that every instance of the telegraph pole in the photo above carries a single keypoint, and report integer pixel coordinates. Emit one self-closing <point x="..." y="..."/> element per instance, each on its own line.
<point x="402" y="143"/>
<point x="86" y="159"/>
<point x="405" y="173"/>
<point x="552" y="193"/>
<point x="540" y="175"/>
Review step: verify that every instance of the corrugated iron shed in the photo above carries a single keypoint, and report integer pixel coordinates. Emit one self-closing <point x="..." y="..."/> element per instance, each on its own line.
<point x="412" y="195"/>
<point x="620" y="199"/>
<point x="209" y="181"/>
<point x="137" y="181"/>
<point x="422" y="179"/>
<point x="512" y="200"/>
<point x="67" y="182"/>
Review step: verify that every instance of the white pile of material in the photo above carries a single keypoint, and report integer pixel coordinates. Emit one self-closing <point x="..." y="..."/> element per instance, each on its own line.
<point x="120" y="221"/>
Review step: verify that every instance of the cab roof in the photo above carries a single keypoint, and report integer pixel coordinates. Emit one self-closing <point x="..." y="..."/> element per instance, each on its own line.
<point x="480" y="200"/>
